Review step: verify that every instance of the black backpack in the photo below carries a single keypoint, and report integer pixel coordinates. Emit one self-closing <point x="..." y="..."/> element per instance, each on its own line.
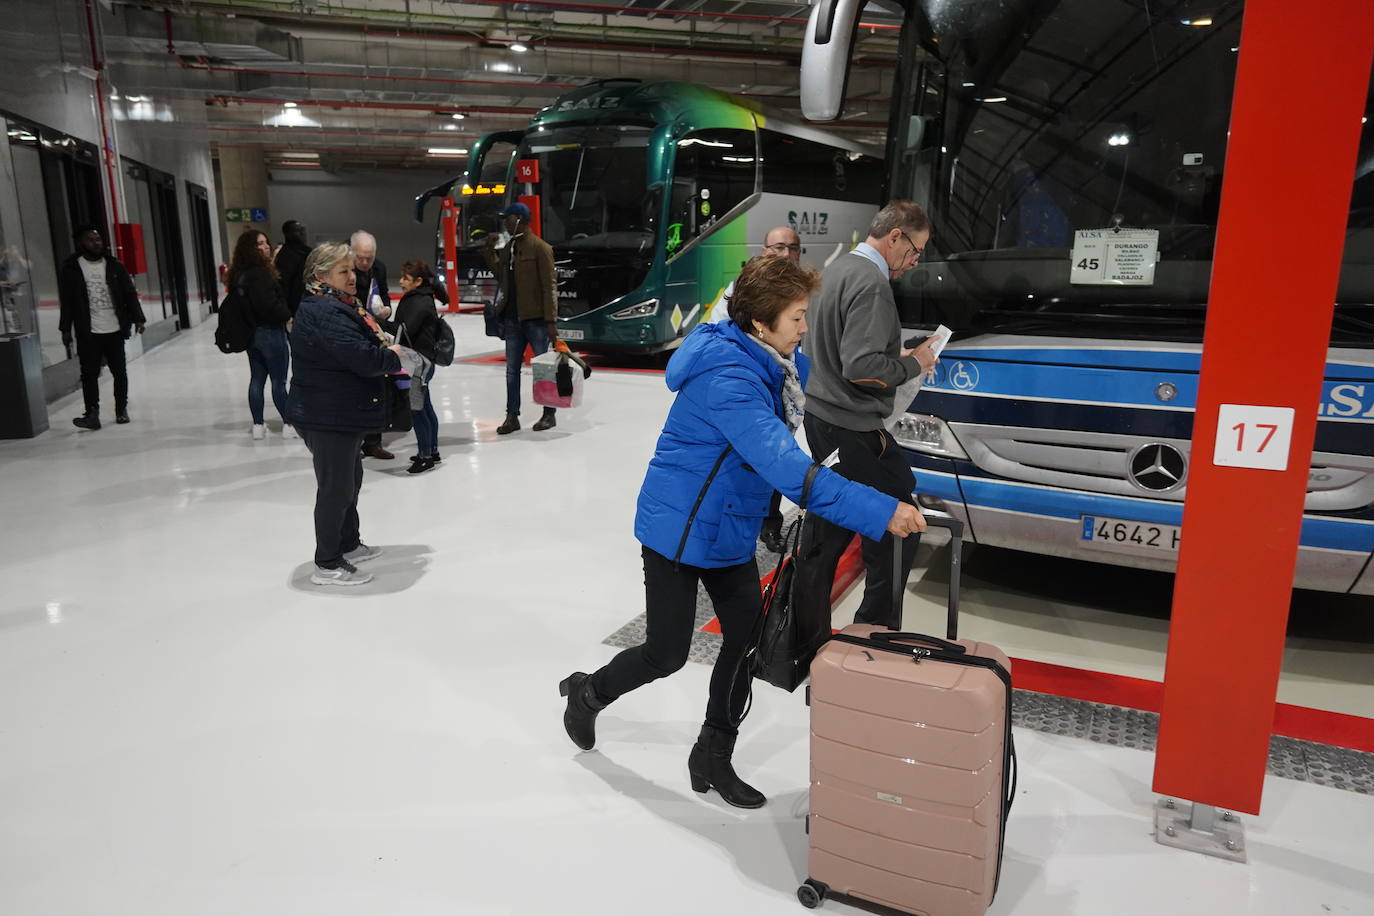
<point x="443" y="344"/>
<point x="235" y="331"/>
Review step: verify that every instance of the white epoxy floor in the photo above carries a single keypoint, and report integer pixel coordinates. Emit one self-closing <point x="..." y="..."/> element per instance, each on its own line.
<point x="188" y="727"/>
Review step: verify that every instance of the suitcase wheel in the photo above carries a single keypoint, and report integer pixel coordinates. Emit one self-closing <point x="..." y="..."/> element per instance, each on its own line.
<point x="811" y="893"/>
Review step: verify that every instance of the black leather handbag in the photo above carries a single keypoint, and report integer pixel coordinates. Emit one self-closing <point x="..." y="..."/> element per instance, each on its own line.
<point x="794" y="624"/>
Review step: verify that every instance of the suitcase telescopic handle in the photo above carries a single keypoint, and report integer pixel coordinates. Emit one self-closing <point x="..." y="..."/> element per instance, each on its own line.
<point x="956" y="544"/>
<point x="937" y="642"/>
<point x="953" y="525"/>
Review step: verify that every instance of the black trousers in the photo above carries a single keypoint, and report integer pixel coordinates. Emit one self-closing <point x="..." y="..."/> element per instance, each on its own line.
<point x="872" y="458"/>
<point x="94" y="349"/>
<point x="338" y="479"/>
<point x="671" y="602"/>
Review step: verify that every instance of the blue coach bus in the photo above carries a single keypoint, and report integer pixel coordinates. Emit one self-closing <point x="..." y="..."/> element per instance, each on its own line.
<point x="1071" y="157"/>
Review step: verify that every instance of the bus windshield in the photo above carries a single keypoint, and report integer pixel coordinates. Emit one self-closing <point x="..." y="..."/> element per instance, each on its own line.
<point x="1047" y="134"/>
<point x="593" y="184"/>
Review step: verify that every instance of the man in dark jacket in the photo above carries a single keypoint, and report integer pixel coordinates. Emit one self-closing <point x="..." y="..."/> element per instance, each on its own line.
<point x="100" y="304"/>
<point x="376" y="298"/>
<point x="528" y="306"/>
<point x="291" y="263"/>
<point x="857" y="363"/>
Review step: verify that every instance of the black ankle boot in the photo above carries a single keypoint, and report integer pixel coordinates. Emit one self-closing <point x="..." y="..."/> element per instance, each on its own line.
<point x="583" y="705"/>
<point x="710" y="768"/>
<point x="548" y="421"/>
<point x="511" y="425"/>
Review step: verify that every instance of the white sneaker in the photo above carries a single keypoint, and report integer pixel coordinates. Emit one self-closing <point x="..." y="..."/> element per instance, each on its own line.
<point x="362" y="553"/>
<point x="259" y="431"/>
<point x="289" y="432"/>
<point x="345" y="574"/>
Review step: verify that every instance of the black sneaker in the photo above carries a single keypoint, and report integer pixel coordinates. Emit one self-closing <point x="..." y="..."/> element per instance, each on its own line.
<point x="435" y="458"/>
<point x="121" y="416"/>
<point x="420" y="465"/>
<point x="87" y="421"/>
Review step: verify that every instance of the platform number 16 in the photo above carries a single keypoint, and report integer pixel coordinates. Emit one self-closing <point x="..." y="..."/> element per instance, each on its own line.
<point x="1249" y="436"/>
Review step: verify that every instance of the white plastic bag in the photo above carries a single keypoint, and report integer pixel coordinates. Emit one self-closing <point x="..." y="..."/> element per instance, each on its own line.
<point x="545" y="367"/>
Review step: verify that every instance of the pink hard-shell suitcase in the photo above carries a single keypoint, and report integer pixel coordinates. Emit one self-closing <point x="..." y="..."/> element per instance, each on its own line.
<point x="912" y="766"/>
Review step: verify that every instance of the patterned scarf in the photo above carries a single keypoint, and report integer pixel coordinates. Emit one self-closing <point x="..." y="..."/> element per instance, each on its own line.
<point x="793" y="400"/>
<point x="317" y="287"/>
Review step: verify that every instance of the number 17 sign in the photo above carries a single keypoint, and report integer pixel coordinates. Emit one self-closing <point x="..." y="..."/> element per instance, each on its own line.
<point x="1253" y="437"/>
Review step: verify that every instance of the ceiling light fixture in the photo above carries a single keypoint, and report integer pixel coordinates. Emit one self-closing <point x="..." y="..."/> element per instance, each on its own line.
<point x="1119" y="140"/>
<point x="458" y="116"/>
<point x="450" y="127"/>
<point x="502" y="67"/>
<point x="1000" y="98"/>
<point x="288" y="105"/>
<point x="519" y="47"/>
<point x="299" y="155"/>
<point x="446" y="151"/>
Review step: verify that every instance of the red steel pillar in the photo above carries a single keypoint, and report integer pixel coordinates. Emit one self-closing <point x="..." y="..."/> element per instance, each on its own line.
<point x="1290" y="163"/>
<point x="449" y="226"/>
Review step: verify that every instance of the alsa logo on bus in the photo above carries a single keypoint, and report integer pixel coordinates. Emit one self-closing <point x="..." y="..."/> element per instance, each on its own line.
<point x="808" y="223"/>
<point x="590" y="104"/>
<point x="1348" y="400"/>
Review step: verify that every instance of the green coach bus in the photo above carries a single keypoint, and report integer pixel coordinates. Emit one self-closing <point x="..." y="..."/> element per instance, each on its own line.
<point x="653" y="194"/>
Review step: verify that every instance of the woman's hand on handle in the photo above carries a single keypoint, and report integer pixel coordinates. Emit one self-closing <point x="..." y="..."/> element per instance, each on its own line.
<point x="906" y="520"/>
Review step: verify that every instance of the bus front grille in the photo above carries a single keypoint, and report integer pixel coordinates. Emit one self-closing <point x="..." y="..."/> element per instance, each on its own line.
<point x="1125" y="465"/>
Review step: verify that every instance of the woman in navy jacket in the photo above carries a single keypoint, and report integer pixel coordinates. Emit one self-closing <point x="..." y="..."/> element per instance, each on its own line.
<point x="338" y="395"/>
<point x="727" y="444"/>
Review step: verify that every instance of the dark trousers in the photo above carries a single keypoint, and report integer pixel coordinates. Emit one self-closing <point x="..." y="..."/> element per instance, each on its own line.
<point x="338" y="479"/>
<point x="268" y="355"/>
<point x="872" y="458"/>
<point x="671" y="601"/>
<point x="532" y="331"/>
<point x="426" y="424"/>
<point x="92" y="350"/>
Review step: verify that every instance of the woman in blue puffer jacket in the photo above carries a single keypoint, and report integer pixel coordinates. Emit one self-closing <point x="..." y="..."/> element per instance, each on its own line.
<point x="727" y="444"/>
<point x="339" y="355"/>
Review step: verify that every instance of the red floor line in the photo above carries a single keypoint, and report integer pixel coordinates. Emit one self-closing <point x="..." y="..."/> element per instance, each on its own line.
<point x="1300" y="722"/>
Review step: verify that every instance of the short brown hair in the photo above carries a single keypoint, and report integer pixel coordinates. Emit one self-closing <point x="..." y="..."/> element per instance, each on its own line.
<point x="899" y="214"/>
<point x="766" y="286"/>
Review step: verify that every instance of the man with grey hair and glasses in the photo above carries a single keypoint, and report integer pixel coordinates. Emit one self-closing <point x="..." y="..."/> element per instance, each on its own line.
<point x="857" y="364"/>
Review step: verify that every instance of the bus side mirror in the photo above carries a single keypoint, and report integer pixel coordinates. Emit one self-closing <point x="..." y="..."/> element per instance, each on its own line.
<point x="825" y="57"/>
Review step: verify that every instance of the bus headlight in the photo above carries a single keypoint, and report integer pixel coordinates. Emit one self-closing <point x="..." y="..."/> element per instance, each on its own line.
<point x="643" y="309"/>
<point x="929" y="435"/>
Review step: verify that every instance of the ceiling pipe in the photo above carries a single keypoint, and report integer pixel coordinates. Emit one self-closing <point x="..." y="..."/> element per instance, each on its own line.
<point x="383" y="106"/>
<point x="600" y="10"/>
<point x="314" y="74"/>
<point x="283" y="12"/>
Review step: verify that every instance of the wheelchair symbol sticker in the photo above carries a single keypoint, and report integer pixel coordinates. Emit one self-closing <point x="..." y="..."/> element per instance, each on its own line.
<point x="963" y="375"/>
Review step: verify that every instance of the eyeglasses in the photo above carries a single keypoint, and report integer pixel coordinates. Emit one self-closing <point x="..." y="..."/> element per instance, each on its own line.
<point x="780" y="247"/>
<point x="914" y="250"/>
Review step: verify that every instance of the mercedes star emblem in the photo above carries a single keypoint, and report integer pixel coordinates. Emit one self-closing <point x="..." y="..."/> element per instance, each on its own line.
<point x="1158" y="468"/>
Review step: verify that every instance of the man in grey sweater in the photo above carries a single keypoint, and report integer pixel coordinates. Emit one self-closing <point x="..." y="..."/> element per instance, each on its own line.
<point x="857" y="364"/>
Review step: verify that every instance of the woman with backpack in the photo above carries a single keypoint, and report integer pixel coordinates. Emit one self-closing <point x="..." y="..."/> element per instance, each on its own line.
<point x="417" y="325"/>
<point x="254" y="278"/>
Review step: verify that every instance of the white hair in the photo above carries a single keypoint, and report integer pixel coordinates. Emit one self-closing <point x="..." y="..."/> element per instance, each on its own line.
<point x="362" y="236"/>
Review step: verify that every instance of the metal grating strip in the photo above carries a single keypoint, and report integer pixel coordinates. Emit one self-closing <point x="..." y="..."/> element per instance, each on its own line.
<point x="1321" y="764"/>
